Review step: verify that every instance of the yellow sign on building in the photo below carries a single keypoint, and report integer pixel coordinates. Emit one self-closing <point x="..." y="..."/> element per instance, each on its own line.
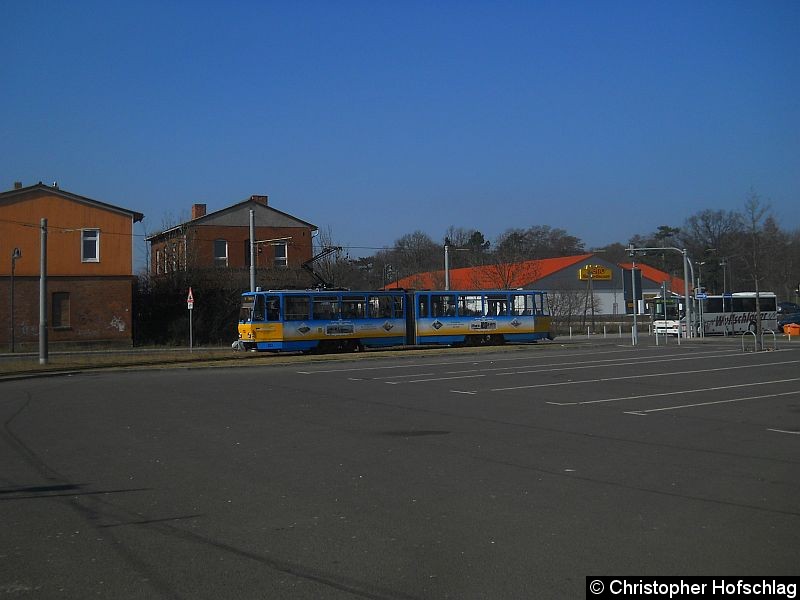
<point x="594" y="272"/>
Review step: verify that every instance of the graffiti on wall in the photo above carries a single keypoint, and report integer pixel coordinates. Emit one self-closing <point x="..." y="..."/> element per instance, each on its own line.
<point x="118" y="324"/>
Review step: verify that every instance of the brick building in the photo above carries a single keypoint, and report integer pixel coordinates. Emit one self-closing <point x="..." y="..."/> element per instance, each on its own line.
<point x="221" y="239"/>
<point x="89" y="268"/>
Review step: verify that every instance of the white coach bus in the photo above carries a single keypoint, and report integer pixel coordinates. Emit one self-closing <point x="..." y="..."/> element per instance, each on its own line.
<point x="717" y="315"/>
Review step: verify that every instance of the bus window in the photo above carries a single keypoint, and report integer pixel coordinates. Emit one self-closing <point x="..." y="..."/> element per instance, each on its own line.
<point x="712" y="305"/>
<point x="443" y="305"/>
<point x="296" y="308"/>
<point x="326" y="308"/>
<point x="354" y="307"/>
<point x="768" y="303"/>
<point x="470" y="306"/>
<point x="522" y="304"/>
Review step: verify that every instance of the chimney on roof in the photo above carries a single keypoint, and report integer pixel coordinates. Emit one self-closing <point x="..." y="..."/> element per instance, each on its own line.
<point x="198" y="210"/>
<point x="260" y="199"/>
<point x="17" y="185"/>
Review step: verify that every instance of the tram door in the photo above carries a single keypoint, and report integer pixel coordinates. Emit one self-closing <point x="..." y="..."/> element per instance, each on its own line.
<point x="411" y="321"/>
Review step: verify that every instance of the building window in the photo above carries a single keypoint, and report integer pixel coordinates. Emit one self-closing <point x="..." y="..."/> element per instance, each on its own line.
<point x="60" y="308"/>
<point x="174" y="257"/>
<point x="158" y="262"/>
<point x="281" y="255"/>
<point x="220" y="253"/>
<point x="90" y="245"/>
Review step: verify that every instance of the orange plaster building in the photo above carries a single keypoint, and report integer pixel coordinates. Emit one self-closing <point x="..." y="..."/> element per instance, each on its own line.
<point x="89" y="268"/>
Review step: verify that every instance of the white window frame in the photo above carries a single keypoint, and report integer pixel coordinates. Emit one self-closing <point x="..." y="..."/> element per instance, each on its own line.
<point x="281" y="261"/>
<point x="218" y="259"/>
<point x="88" y="235"/>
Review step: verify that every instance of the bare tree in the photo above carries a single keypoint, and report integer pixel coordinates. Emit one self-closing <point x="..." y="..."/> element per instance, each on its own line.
<point x="566" y="304"/>
<point x="755" y="212"/>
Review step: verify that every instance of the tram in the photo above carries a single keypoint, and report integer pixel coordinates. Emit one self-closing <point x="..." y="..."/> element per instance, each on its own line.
<point x="345" y="320"/>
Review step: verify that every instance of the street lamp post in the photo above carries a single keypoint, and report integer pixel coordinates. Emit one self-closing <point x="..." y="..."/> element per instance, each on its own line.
<point x="17" y="253"/>
<point x="687" y="266"/>
<point x="447" y="263"/>
<point x="635" y="338"/>
<point x="447" y="248"/>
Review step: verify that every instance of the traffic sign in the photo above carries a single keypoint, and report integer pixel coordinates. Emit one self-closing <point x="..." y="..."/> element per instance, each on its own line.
<point x="190" y="300"/>
<point x="701" y="295"/>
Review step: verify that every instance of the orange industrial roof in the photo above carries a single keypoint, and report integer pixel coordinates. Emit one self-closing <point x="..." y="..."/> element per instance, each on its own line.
<point x="516" y="275"/>
<point x="675" y="283"/>
<point x="511" y="275"/>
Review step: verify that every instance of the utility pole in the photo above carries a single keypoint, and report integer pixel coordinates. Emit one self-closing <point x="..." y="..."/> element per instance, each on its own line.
<point x="252" y="250"/>
<point x="43" y="294"/>
<point x="16" y="254"/>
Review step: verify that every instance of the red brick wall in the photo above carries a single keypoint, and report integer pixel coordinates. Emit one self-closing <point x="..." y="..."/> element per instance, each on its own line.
<point x="99" y="311"/>
<point x="201" y="245"/>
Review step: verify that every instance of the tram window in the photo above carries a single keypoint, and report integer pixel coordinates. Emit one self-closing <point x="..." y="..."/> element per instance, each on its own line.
<point x="540" y="304"/>
<point x="443" y="305"/>
<point x="496" y="306"/>
<point x="246" y="312"/>
<point x="423" y="306"/>
<point x="522" y="304"/>
<point x="326" y="308"/>
<point x="470" y="306"/>
<point x="258" y="309"/>
<point x="384" y="307"/>
<point x="397" y="307"/>
<point x="273" y="308"/>
<point x="377" y="307"/>
<point x="354" y="307"/>
<point x="296" y="308"/>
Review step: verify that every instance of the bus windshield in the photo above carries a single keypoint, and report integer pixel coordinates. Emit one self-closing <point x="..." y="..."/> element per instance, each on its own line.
<point x="671" y="305"/>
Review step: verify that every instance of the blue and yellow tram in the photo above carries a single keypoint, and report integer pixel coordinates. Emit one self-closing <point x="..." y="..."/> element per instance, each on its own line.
<point x="327" y="320"/>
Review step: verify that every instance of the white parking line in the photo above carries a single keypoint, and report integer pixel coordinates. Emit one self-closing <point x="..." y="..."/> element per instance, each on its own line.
<point x="672" y="374"/>
<point x="553" y="369"/>
<point x="434" y="379"/>
<point x="785" y="431"/>
<point x="496" y="360"/>
<point x="677" y="393"/>
<point x="645" y="412"/>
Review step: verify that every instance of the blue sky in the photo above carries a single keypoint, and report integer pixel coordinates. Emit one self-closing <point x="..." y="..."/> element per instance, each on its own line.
<point x="375" y="119"/>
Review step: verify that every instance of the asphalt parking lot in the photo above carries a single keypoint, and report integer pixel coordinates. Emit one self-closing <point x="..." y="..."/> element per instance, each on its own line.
<point x="504" y="473"/>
